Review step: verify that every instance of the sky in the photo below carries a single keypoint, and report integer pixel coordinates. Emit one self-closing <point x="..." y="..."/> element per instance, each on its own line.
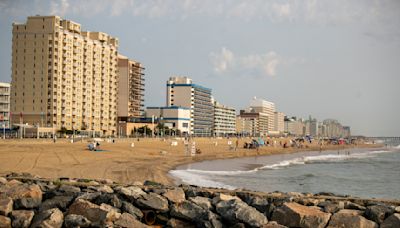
<point x="328" y="59"/>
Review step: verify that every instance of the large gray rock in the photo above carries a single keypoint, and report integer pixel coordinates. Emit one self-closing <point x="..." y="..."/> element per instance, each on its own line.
<point x="154" y="202"/>
<point x="69" y="189"/>
<point x="110" y="199"/>
<point x="23" y="195"/>
<point x="60" y="202"/>
<point x="350" y="219"/>
<point x="128" y="221"/>
<point x="6" y="205"/>
<point x="176" y="195"/>
<point x="72" y="221"/>
<point x="296" y="215"/>
<point x="49" y="218"/>
<point x="202" y="202"/>
<point x="89" y="196"/>
<point x="189" y="211"/>
<point x="22" y="218"/>
<point x="273" y="224"/>
<point x="378" y="213"/>
<point x="391" y="221"/>
<point x="132" y="193"/>
<point x="353" y="206"/>
<point x="331" y="207"/>
<point x="5" y="222"/>
<point x="99" y="216"/>
<point x="129" y="208"/>
<point x="235" y="210"/>
<point x="177" y="223"/>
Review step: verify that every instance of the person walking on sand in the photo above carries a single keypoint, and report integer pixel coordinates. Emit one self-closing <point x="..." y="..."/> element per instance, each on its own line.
<point x="236" y="144"/>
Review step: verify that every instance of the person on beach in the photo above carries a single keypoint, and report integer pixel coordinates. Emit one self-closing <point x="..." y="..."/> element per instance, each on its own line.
<point x="236" y="144"/>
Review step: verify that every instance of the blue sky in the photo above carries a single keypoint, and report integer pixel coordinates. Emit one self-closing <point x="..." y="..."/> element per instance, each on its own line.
<point x="329" y="59"/>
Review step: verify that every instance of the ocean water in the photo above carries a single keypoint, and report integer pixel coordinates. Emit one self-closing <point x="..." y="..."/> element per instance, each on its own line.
<point x="372" y="173"/>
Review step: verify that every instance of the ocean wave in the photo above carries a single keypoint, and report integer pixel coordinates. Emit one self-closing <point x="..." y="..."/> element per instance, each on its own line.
<point x="190" y="177"/>
<point x="327" y="158"/>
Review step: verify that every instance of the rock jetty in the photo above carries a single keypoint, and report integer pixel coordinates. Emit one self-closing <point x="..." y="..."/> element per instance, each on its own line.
<point x="30" y="201"/>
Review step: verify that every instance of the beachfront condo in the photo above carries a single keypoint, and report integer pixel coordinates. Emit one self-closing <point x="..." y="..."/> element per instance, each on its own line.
<point x="63" y="77"/>
<point x="224" y="120"/>
<point x="130" y="89"/>
<point x="183" y="93"/>
<point x="4" y="105"/>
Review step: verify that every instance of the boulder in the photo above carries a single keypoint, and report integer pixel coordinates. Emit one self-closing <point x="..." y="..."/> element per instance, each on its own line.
<point x="331" y="207"/>
<point x="397" y="209"/>
<point x="353" y="206"/>
<point x="213" y="221"/>
<point x="22" y="218"/>
<point x="202" y="202"/>
<point x="378" y="213"/>
<point x="223" y="197"/>
<point x="176" y="195"/>
<point x="23" y="195"/>
<point x="89" y="196"/>
<point x="259" y="203"/>
<point x="236" y="211"/>
<point x="97" y="215"/>
<point x="49" y="218"/>
<point x="132" y="193"/>
<point x="188" y="211"/>
<point x="177" y="223"/>
<point x="154" y="202"/>
<point x="350" y="219"/>
<point x="69" y="189"/>
<point x="296" y="215"/>
<point x="273" y="224"/>
<point x="129" y="208"/>
<point x="5" y="222"/>
<point x="6" y="205"/>
<point x="129" y="221"/>
<point x="72" y="221"/>
<point x="110" y="199"/>
<point x="3" y="180"/>
<point x="391" y="221"/>
<point x="102" y="188"/>
<point x="60" y="202"/>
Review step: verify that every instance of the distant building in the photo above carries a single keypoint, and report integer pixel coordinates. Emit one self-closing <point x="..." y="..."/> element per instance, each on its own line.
<point x="263" y="106"/>
<point x="246" y="125"/>
<point x="254" y="123"/>
<point x="183" y="93"/>
<point x="224" y="120"/>
<point x="63" y="77"/>
<point x="174" y="117"/>
<point x="279" y="122"/>
<point x="294" y="127"/>
<point x="4" y="105"/>
<point x="130" y="88"/>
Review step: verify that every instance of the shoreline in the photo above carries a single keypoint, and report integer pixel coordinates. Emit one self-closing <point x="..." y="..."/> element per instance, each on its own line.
<point x="148" y="159"/>
<point x="177" y="181"/>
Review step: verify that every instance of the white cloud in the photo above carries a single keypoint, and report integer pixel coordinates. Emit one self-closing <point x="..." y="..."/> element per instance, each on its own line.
<point x="222" y="61"/>
<point x="226" y="62"/>
<point x="59" y="7"/>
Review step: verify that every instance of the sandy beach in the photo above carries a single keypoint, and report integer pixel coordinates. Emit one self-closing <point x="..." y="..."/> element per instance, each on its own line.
<point x="149" y="159"/>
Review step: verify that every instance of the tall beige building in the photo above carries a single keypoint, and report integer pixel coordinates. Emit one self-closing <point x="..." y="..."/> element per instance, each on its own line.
<point x="266" y="107"/>
<point x="63" y="77"/>
<point x="130" y="88"/>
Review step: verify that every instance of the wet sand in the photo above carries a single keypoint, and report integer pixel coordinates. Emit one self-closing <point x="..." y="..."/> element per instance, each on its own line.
<point x="119" y="161"/>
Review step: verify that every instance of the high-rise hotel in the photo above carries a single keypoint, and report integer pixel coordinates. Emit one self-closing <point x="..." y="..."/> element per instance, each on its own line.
<point x="63" y="77"/>
<point x="181" y="92"/>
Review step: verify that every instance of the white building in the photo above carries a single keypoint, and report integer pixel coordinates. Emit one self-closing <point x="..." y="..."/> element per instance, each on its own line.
<point x="279" y="122"/>
<point x="183" y="93"/>
<point x="264" y="106"/>
<point x="173" y="117"/>
<point x="4" y="105"/>
<point x="224" y="120"/>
